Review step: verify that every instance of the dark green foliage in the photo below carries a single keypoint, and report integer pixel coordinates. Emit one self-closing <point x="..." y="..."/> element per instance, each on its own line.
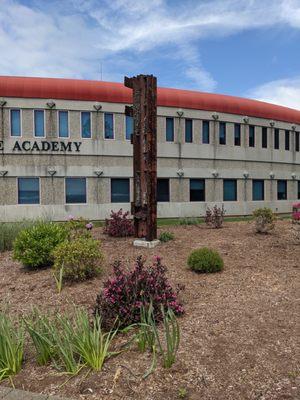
<point x="80" y="259"/>
<point x="166" y="236"/>
<point x="205" y="260"/>
<point x="33" y="246"/>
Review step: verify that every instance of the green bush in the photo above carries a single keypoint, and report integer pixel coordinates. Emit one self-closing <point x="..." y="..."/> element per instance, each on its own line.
<point x="189" y="221"/>
<point x="80" y="259"/>
<point x="33" y="246"/>
<point x="264" y="220"/>
<point x="166" y="236"/>
<point x="10" y="230"/>
<point x="205" y="260"/>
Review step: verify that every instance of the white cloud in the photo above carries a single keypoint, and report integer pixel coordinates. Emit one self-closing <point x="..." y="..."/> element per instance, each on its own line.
<point x="284" y="92"/>
<point x="69" y="38"/>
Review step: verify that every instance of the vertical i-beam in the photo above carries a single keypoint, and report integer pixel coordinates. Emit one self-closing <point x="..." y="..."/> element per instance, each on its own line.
<point x="144" y="140"/>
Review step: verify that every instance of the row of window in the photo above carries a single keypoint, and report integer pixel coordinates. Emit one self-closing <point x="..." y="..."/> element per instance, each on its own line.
<point x="86" y="131"/>
<point x="76" y="192"/>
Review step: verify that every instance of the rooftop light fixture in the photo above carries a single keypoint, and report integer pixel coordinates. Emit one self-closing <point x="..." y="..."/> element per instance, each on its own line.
<point x="51" y="171"/>
<point x="272" y="175"/>
<point x="246" y="119"/>
<point x="294" y="127"/>
<point x="98" y="172"/>
<point x="97" y="106"/>
<point x="272" y="123"/>
<point x="3" y="173"/>
<point x="215" y="174"/>
<point x="180" y="113"/>
<point x="246" y="174"/>
<point x="180" y="173"/>
<point x="2" y="103"/>
<point x="215" y="116"/>
<point x="50" y="104"/>
<point x="293" y="175"/>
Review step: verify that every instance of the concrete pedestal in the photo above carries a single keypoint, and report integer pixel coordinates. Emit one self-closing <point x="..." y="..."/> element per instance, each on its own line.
<point x="145" y="243"/>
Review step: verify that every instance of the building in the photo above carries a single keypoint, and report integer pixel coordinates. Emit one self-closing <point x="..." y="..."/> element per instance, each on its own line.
<point x="65" y="149"/>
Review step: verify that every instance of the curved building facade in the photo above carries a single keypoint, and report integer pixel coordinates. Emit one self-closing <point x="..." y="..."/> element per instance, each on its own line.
<point x="65" y="149"/>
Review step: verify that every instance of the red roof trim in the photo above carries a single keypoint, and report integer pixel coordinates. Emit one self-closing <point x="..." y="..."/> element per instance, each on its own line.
<point x="72" y="89"/>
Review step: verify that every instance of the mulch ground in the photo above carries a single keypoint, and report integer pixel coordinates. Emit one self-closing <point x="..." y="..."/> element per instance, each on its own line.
<point x="240" y="335"/>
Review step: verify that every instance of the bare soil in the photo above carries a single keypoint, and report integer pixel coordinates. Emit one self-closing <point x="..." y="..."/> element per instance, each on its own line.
<point x="240" y="332"/>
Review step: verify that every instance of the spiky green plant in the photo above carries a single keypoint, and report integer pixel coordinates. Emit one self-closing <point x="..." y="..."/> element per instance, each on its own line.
<point x="11" y="346"/>
<point x="145" y="336"/>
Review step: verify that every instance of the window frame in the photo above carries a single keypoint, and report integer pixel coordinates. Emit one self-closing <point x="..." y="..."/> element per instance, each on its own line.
<point x="111" y="191"/>
<point x="287" y="142"/>
<point x="250" y="137"/>
<point x="236" y="189"/>
<point x="44" y="122"/>
<point x="173" y="132"/>
<point x="206" y="122"/>
<point x="203" y="190"/>
<point x="222" y="123"/>
<point x="58" y="125"/>
<point x="86" y="189"/>
<point x="113" y="122"/>
<point x="125" y="125"/>
<point x="10" y="122"/>
<point x="276" y="139"/>
<point x="297" y="141"/>
<point x="264" y="137"/>
<point x="286" y="192"/>
<point x="18" y="193"/>
<point x="239" y="136"/>
<point x="169" y="191"/>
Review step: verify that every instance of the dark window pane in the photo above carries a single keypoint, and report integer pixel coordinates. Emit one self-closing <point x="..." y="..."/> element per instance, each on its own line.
<point x="197" y="190"/>
<point x="298" y="189"/>
<point x="63" y="122"/>
<point x="15" y="122"/>
<point x="120" y="190"/>
<point x="287" y="140"/>
<point x="276" y="139"/>
<point x="264" y="137"/>
<point x="229" y="190"/>
<point x="163" y="190"/>
<point x="297" y="141"/>
<point x="39" y="123"/>
<point x="170" y="129"/>
<point x="281" y="190"/>
<point x="258" y="189"/>
<point x="205" y="132"/>
<point x="108" y="126"/>
<point x="222" y="133"/>
<point x="237" y="134"/>
<point x="188" y="130"/>
<point x="28" y="191"/>
<point x="86" y="125"/>
<point x="251" y="136"/>
<point x="129" y="127"/>
<point x="75" y="190"/>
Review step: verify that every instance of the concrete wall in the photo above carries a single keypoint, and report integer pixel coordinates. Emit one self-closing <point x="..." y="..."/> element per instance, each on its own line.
<point x="212" y="162"/>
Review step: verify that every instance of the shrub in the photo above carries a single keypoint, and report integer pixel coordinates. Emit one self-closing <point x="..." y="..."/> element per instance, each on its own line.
<point x="125" y="293"/>
<point x="78" y="227"/>
<point x="205" y="260"/>
<point x="119" y="225"/>
<point x="34" y="246"/>
<point x="10" y="230"/>
<point x="214" y="217"/>
<point x="80" y="259"/>
<point x="264" y="220"/>
<point x="166" y="236"/>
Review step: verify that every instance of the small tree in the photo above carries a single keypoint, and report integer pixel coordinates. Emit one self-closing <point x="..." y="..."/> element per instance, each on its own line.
<point x="214" y="217"/>
<point x="264" y="220"/>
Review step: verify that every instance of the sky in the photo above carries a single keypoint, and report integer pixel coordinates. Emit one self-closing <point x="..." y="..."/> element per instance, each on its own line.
<point x="247" y="48"/>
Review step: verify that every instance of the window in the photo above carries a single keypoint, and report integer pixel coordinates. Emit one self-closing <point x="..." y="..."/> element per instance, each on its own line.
<point x="163" y="189"/>
<point x="297" y="141"/>
<point x="298" y="189"/>
<point x="197" y="189"/>
<point x="188" y="130"/>
<point x="205" y="132"/>
<point x="276" y="139"/>
<point x="281" y="190"/>
<point x="229" y="190"/>
<point x="251" y="136"/>
<point x="170" y="129"/>
<point x="15" y="122"/>
<point x="287" y="140"/>
<point x="39" y="123"/>
<point x="108" y="126"/>
<point x="28" y="191"/>
<point x="258" y="190"/>
<point x="86" y="132"/>
<point x="75" y="190"/>
<point x="63" y="124"/>
<point x="120" y="190"/>
<point x="264" y="137"/>
<point x="129" y="127"/>
<point x="222" y="133"/>
<point x="237" y="134"/>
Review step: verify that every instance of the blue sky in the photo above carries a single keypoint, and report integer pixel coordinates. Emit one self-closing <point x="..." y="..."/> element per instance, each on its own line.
<point x="240" y="47"/>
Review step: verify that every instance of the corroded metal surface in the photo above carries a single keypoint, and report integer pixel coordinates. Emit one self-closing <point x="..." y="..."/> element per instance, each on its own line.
<point x="144" y="140"/>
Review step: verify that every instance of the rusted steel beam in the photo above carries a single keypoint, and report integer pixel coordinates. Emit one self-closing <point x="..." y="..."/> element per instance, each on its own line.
<point x="144" y="140"/>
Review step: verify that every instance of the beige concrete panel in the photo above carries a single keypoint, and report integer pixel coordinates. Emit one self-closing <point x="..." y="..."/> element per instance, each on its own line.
<point x="197" y="132"/>
<point x="230" y="135"/>
<point x="119" y="127"/>
<point x="74" y="125"/>
<point x="161" y="129"/>
<point x="27" y="124"/>
<point x="8" y="191"/>
<point x="52" y="190"/>
<point x="51" y="119"/>
<point x="179" y="190"/>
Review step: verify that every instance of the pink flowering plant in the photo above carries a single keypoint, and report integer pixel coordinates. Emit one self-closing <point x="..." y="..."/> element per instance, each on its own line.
<point x="119" y="225"/>
<point x="124" y="294"/>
